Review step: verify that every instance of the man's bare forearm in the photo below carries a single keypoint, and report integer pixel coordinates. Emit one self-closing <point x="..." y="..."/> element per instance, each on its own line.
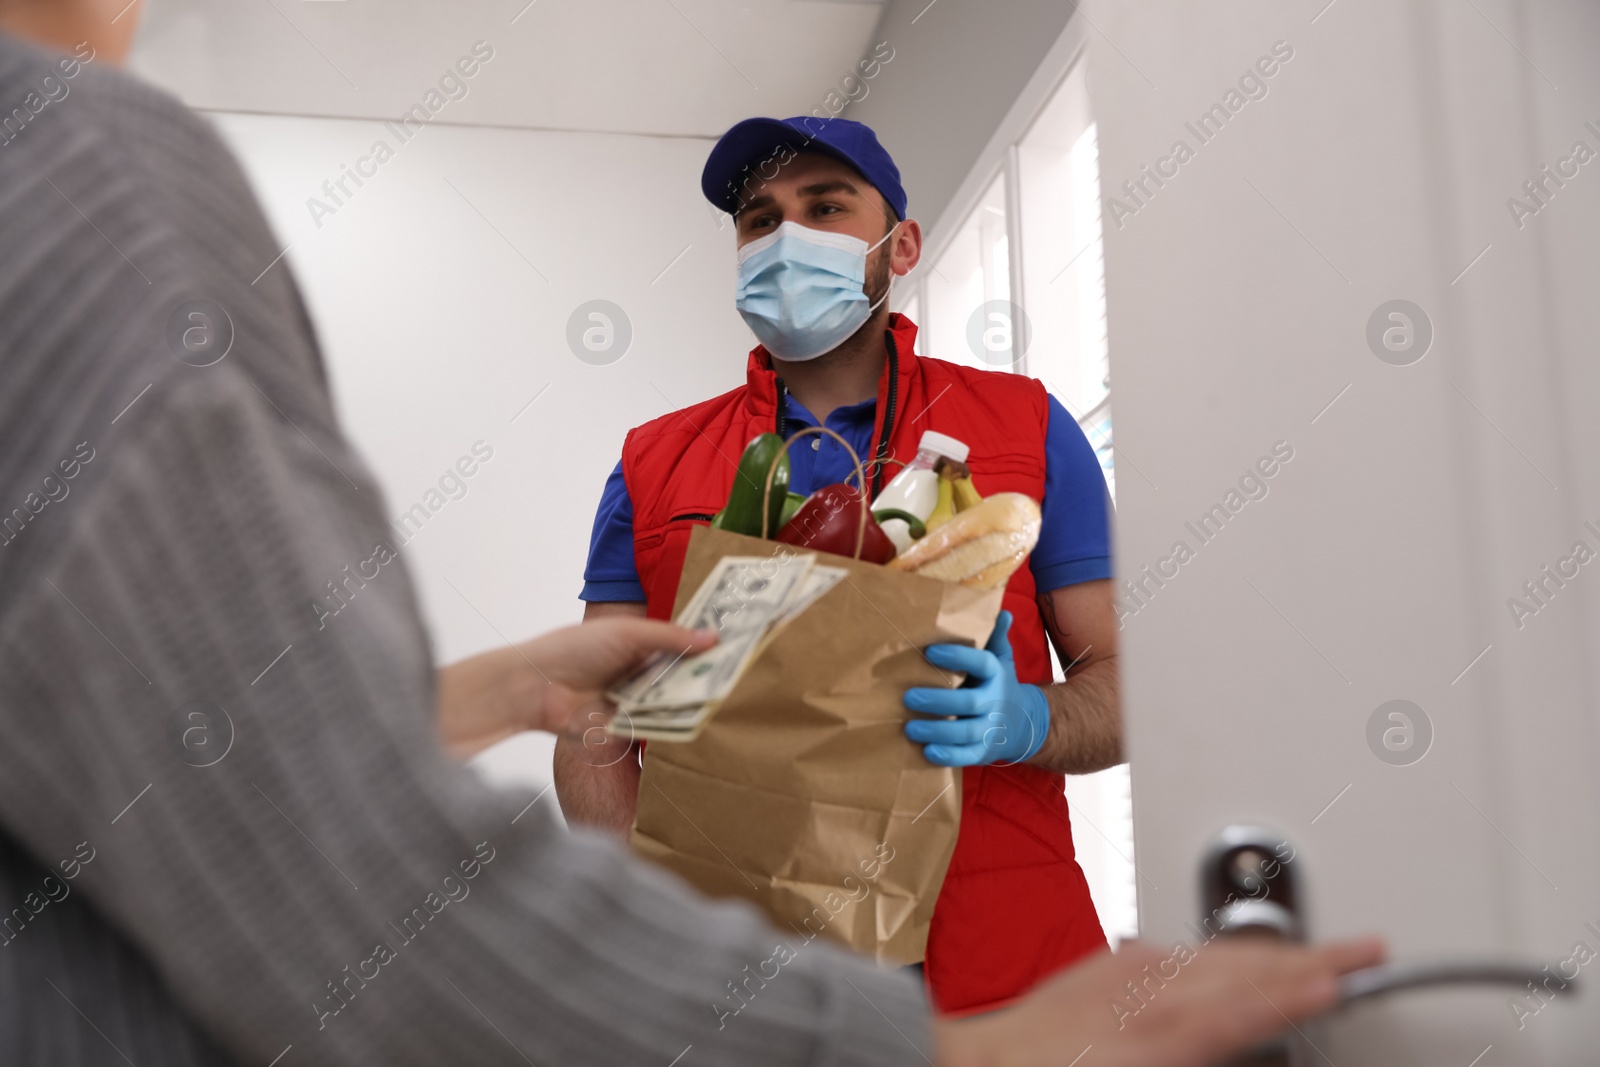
<point x="1085" y="721"/>
<point x="1086" y="709"/>
<point x="595" y="793"/>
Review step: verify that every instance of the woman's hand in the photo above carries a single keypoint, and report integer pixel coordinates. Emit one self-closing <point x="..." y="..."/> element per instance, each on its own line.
<point x="555" y="682"/>
<point x="580" y="662"/>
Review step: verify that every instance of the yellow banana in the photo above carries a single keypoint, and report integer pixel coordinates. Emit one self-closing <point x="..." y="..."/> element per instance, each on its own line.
<point x="965" y="494"/>
<point x="945" y="509"/>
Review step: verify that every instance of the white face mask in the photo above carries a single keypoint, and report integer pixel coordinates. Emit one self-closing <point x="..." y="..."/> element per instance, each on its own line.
<point x="801" y="290"/>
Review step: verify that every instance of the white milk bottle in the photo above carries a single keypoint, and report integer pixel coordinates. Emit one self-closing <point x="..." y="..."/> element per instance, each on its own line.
<point x="916" y="488"/>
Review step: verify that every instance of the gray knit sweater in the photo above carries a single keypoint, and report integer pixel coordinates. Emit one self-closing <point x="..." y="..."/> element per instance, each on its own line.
<point x="227" y="832"/>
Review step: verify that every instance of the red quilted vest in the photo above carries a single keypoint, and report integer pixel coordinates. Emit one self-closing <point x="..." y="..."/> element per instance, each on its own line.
<point x="1014" y="906"/>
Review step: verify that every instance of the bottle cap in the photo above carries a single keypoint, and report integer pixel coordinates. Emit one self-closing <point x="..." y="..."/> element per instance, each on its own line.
<point x="944" y="445"/>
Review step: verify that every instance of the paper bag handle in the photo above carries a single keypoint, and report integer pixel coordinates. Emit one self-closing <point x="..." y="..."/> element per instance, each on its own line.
<point x="861" y="484"/>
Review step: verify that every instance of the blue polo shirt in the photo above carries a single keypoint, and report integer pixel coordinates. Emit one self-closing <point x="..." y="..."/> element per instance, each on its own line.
<point x="1074" y="537"/>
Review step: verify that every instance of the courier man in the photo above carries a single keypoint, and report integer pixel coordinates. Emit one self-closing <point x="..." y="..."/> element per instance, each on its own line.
<point x="821" y="231"/>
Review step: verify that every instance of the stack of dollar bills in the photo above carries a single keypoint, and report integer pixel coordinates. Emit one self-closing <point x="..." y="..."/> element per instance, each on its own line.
<point x="746" y="599"/>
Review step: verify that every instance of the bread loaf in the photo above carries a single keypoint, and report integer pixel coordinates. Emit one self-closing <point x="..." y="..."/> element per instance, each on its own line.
<point x="981" y="547"/>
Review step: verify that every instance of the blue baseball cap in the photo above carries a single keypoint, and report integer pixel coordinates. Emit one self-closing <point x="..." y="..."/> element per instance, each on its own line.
<point x="752" y="151"/>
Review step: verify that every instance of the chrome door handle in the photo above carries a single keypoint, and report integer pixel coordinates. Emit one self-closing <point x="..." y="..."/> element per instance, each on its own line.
<point x="1393" y="977"/>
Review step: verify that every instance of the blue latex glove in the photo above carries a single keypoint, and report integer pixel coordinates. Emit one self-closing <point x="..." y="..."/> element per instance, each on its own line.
<point x="995" y="717"/>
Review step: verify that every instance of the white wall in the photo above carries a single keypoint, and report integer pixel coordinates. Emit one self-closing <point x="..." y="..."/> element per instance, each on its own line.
<point x="426" y="290"/>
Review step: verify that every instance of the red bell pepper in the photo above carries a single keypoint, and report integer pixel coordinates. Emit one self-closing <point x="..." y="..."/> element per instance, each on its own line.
<point x="830" y="521"/>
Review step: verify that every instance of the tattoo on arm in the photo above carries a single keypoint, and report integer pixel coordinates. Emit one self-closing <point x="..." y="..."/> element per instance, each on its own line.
<point x="1085" y="710"/>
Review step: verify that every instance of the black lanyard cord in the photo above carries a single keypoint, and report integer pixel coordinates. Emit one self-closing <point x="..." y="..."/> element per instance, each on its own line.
<point x="881" y="455"/>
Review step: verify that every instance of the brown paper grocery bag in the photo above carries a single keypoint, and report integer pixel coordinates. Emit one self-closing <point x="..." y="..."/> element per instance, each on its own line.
<point x="803" y="794"/>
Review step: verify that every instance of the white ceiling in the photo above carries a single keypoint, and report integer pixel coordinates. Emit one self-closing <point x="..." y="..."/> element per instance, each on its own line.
<point x="670" y="67"/>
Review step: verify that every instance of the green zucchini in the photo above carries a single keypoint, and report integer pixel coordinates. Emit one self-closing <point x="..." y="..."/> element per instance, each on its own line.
<point x="742" y="513"/>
